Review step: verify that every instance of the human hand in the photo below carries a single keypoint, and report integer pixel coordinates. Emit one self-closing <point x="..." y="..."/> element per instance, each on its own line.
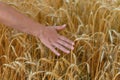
<point x="51" y="39"/>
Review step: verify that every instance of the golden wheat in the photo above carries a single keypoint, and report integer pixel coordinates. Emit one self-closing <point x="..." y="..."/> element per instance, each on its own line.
<point x="92" y="24"/>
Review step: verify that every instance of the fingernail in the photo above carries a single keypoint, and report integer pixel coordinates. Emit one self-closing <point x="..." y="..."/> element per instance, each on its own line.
<point x="73" y="43"/>
<point x="64" y="25"/>
<point x="72" y="48"/>
<point x="68" y="52"/>
<point x="58" y="54"/>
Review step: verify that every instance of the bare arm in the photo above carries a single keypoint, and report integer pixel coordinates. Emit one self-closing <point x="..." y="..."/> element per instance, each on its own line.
<point x="14" y="19"/>
<point x="48" y="35"/>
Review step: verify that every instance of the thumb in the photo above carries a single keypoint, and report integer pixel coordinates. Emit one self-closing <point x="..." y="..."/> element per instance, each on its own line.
<point x="60" y="27"/>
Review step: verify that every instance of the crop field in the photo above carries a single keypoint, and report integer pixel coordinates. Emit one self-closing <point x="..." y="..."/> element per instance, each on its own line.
<point x="94" y="26"/>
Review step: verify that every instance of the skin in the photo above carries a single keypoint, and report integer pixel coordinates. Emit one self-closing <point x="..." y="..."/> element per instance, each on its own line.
<point x="47" y="34"/>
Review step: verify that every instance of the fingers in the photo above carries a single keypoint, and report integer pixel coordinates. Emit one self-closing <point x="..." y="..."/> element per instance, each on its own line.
<point x="66" y="40"/>
<point x="60" y="47"/>
<point x="47" y="44"/>
<point x="53" y="50"/>
<point x="63" y="43"/>
<point x="60" y="27"/>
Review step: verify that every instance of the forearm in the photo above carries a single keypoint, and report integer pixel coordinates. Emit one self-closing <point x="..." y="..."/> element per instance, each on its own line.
<point x="11" y="17"/>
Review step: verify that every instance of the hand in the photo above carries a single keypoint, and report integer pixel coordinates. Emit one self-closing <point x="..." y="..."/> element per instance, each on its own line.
<point x="51" y="39"/>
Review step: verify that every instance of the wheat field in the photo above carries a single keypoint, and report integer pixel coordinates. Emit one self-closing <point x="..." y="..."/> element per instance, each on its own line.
<point x="94" y="26"/>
